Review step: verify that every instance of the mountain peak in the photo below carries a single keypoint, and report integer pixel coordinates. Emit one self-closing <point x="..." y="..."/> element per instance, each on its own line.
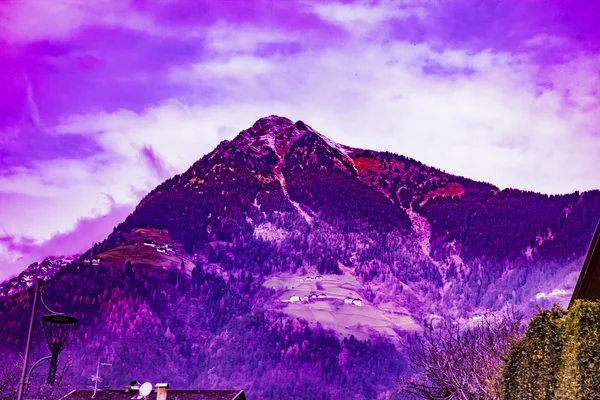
<point x="280" y="135"/>
<point x="273" y="132"/>
<point x="275" y="126"/>
<point x="269" y="125"/>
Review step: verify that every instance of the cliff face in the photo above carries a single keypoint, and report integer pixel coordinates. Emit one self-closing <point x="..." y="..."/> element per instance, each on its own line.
<point x="285" y="263"/>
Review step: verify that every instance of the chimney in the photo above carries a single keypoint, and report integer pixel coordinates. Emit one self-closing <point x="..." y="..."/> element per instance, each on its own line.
<point x="161" y="391"/>
<point x="127" y="388"/>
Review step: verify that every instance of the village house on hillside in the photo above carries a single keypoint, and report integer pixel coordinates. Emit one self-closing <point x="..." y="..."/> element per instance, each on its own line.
<point x="588" y="284"/>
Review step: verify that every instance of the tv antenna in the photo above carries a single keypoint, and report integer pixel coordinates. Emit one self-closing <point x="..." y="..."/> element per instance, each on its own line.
<point x="96" y="378"/>
<point x="145" y="389"/>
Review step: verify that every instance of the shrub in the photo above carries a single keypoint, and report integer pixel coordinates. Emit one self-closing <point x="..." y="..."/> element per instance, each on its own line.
<point x="579" y="374"/>
<point x="531" y="367"/>
<point x="559" y="356"/>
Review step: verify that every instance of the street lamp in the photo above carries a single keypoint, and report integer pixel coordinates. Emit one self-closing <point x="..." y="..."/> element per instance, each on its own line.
<point x="58" y="330"/>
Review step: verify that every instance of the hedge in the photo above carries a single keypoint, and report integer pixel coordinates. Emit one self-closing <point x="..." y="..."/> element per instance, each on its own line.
<point x="558" y="357"/>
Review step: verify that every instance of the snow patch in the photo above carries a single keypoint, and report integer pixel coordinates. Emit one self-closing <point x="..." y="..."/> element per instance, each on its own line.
<point x="333" y="144"/>
<point x="255" y="202"/>
<point x="540" y="239"/>
<point x="268" y="232"/>
<point x="544" y="237"/>
<point x="303" y="213"/>
<point x="271" y="141"/>
<point x="529" y="252"/>
<point x="553" y="293"/>
<point x="422" y="228"/>
<point x="344" y="150"/>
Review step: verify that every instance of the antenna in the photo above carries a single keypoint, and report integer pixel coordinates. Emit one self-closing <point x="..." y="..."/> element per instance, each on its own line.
<point x="146" y="389"/>
<point x="96" y="378"/>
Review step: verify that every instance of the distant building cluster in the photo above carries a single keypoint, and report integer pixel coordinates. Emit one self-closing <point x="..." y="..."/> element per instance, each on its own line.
<point x="305" y="299"/>
<point x="321" y="296"/>
<point x="312" y="278"/>
<point x="356" y="302"/>
<point x="166" y="249"/>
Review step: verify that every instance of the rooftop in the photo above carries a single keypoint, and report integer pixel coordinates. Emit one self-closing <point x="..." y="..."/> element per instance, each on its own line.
<point x="172" y="395"/>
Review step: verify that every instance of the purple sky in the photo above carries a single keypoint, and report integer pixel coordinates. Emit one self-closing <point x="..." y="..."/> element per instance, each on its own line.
<point x="101" y="100"/>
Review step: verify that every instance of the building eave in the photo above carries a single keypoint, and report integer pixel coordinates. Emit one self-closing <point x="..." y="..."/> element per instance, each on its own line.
<point x="591" y="267"/>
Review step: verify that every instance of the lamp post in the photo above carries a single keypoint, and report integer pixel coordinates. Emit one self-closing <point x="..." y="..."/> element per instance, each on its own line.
<point x="58" y="329"/>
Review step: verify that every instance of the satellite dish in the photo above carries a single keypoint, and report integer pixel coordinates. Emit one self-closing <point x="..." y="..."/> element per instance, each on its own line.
<point x="146" y="389"/>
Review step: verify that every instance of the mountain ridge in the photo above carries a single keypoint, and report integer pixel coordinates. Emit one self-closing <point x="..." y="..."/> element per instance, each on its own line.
<point x="285" y="250"/>
<point x="277" y="159"/>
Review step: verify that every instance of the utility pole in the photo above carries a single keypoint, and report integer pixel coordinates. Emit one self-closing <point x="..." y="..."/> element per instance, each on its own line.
<point x="28" y="345"/>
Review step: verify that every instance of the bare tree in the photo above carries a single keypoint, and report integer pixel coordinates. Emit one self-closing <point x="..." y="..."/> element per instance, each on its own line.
<point x="10" y="374"/>
<point x="60" y="388"/>
<point x="460" y="361"/>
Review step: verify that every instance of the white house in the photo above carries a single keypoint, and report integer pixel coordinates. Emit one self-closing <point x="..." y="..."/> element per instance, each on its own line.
<point x="357" y="302"/>
<point x="347" y="300"/>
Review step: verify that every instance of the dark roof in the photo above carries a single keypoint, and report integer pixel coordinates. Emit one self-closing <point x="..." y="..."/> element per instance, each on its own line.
<point x="588" y="284"/>
<point x="171" y="395"/>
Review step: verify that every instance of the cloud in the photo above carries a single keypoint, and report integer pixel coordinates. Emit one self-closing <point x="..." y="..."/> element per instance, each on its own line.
<point x="155" y="163"/>
<point x="238" y="68"/>
<point x="37" y="19"/>
<point x="362" y="17"/>
<point x="33" y="108"/>
<point x="507" y="26"/>
<point x="487" y="119"/>
<point x="16" y="253"/>
<point x="491" y="124"/>
<point x="135" y="152"/>
<point x="224" y="38"/>
<point x="498" y="91"/>
<point x="27" y="21"/>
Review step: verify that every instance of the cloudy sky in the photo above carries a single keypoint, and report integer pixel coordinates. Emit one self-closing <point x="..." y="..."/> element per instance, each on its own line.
<point x="100" y="100"/>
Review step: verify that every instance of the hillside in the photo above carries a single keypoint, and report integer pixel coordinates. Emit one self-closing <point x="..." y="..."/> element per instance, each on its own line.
<point x="290" y="265"/>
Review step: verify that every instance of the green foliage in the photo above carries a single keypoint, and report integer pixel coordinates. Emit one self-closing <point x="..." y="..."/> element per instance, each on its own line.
<point x="579" y="375"/>
<point x="198" y="331"/>
<point x="532" y="365"/>
<point x="559" y="356"/>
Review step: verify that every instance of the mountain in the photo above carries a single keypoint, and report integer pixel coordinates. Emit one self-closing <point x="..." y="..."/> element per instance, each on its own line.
<point x="291" y="266"/>
<point x="38" y="270"/>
